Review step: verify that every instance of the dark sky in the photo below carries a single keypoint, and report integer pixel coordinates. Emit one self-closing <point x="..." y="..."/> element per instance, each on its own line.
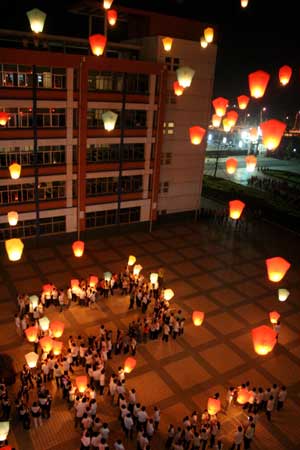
<point x="265" y="36"/>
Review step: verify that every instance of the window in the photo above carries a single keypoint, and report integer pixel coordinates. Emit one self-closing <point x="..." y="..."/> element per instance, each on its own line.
<point x="166" y="158"/>
<point x="105" y="218"/>
<point x="46" y="118"/>
<point x="111" y="153"/>
<point x="168" y="128"/>
<point x="172" y="63"/>
<point x="47" y="155"/>
<point x="109" y="185"/>
<point x="27" y="228"/>
<point x="113" y="81"/>
<point x="17" y="75"/>
<point x="133" y="119"/>
<point x="24" y="193"/>
<point x="171" y="98"/>
<point x="164" y="187"/>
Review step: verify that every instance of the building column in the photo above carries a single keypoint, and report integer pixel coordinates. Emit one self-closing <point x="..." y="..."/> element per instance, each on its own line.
<point x="82" y="143"/>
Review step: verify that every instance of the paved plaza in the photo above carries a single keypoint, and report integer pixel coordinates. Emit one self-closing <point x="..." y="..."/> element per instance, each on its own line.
<point x="221" y="272"/>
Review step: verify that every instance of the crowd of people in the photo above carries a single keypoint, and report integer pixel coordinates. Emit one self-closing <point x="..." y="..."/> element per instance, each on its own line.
<point x="277" y="188"/>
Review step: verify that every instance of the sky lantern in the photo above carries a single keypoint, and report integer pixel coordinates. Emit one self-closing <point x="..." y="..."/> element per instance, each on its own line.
<point x="167" y="43"/>
<point x="284" y="74"/>
<point x="4" y="429"/>
<point x="232" y="116"/>
<point x="36" y="19"/>
<point x="250" y="163"/>
<point x="168" y="294"/>
<point x="264" y="339"/>
<point x="4" y="118"/>
<point x="226" y="124"/>
<point x="131" y="260"/>
<point x="203" y="42"/>
<point x="243" y="396"/>
<point x="178" y="90"/>
<point x="213" y="406"/>
<point x="231" y="165"/>
<point x="57" y="347"/>
<point x="209" y="34"/>
<point x="34" y="300"/>
<point x="236" y="208"/>
<point x="243" y="101"/>
<point x="12" y="218"/>
<point x="14" y="249"/>
<point x="216" y="120"/>
<point x="220" y="104"/>
<point x="109" y="119"/>
<point x="272" y="132"/>
<point x="277" y="268"/>
<point x="185" y="76"/>
<point x="198" y="317"/>
<point x="137" y="269"/>
<point x="274" y="317"/>
<point x="107" y="276"/>
<point x="46" y="344"/>
<point x="31" y="359"/>
<point x="112" y="16"/>
<point x="129" y="364"/>
<point x="253" y="132"/>
<point x="244" y="3"/>
<point x="78" y="248"/>
<point x="44" y="323"/>
<point x="81" y="383"/>
<point x="93" y="280"/>
<point x="196" y="135"/>
<point x="15" y="171"/>
<point x="74" y="283"/>
<point x="153" y="277"/>
<point x="47" y="288"/>
<point x="97" y="43"/>
<point x="57" y="327"/>
<point x="258" y="82"/>
<point x="283" y="294"/>
<point x="107" y="3"/>
<point x="31" y="334"/>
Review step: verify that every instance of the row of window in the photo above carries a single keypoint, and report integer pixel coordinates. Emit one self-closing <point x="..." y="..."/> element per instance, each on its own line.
<point x="105" y="218"/>
<point x="133" y="119"/>
<point x="110" y="185"/>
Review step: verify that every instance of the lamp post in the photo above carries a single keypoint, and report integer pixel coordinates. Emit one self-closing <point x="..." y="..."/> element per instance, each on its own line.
<point x="262" y="110"/>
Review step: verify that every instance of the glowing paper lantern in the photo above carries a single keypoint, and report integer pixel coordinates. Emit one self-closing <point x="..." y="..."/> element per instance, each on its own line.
<point x="107" y="3"/>
<point x="109" y="119"/>
<point x="81" y="383"/>
<point x="74" y="283"/>
<point x="232" y="117"/>
<point x="47" y="288"/>
<point x="243" y="101"/>
<point x="97" y="43"/>
<point x="220" y="104"/>
<point x="274" y="317"/>
<point x="57" y="327"/>
<point x="264" y="339"/>
<point x="235" y="209"/>
<point x="253" y="132"/>
<point x="258" y="82"/>
<point x="31" y="359"/>
<point x="283" y="295"/>
<point x="15" y="171"/>
<point x="78" y="248"/>
<point x="203" y="42"/>
<point x="107" y="276"/>
<point x="44" y="323"/>
<point x="131" y="260"/>
<point x="198" y="317"/>
<point x="244" y="3"/>
<point x="272" y="132"/>
<point x="112" y="16"/>
<point x="196" y="135"/>
<point x="36" y="19"/>
<point x="153" y="277"/>
<point x="4" y="429"/>
<point x="178" y="90"/>
<point x="34" y="300"/>
<point x="285" y="73"/>
<point x="243" y="396"/>
<point x="12" y="218"/>
<point x="226" y="124"/>
<point x="31" y="334"/>
<point x="57" y="347"/>
<point x="93" y="281"/>
<point x="231" y="165"/>
<point x="129" y="364"/>
<point x="209" y="34"/>
<point x="213" y="406"/>
<point x="137" y="269"/>
<point x="4" y="118"/>
<point x="168" y="294"/>
<point x="185" y="76"/>
<point x="167" y="43"/>
<point x="14" y="249"/>
<point x="216" y="120"/>
<point x="250" y="163"/>
<point x="46" y="344"/>
<point x="277" y="268"/>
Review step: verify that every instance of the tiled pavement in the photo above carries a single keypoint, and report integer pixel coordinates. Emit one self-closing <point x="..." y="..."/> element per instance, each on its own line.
<point x="218" y="271"/>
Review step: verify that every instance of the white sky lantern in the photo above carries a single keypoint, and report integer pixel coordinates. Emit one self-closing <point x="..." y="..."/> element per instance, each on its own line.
<point x="107" y="4"/>
<point x="153" y="277"/>
<point x="107" y="276"/>
<point x="168" y="294"/>
<point x="110" y="119"/>
<point x="185" y="76"/>
<point x="44" y="323"/>
<point x="137" y="269"/>
<point x="14" y="248"/>
<point x="34" y="300"/>
<point x="31" y="359"/>
<point x="36" y="19"/>
<point x="283" y="294"/>
<point x="203" y="42"/>
<point x="12" y="218"/>
<point x="4" y="429"/>
<point x="131" y="260"/>
<point x="15" y="171"/>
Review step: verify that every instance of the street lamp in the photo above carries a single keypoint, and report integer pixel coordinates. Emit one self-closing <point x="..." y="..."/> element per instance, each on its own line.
<point x="262" y="110"/>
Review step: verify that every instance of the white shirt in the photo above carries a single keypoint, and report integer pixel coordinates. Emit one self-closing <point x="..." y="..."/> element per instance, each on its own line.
<point x="282" y="396"/>
<point x="238" y="437"/>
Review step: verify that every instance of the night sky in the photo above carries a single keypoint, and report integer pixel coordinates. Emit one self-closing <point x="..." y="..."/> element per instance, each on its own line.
<point x="264" y="36"/>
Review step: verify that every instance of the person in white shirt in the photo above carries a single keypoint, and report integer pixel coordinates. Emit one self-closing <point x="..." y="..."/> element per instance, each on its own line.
<point x="248" y="436"/>
<point x="156" y="417"/>
<point x="128" y="425"/>
<point x="238" y="439"/>
<point x="142" y="417"/>
<point x="150" y="429"/>
<point x="104" y="430"/>
<point x="118" y="445"/>
<point x="80" y="408"/>
<point x="270" y="407"/>
<point x="85" y="441"/>
<point x="281" y="397"/>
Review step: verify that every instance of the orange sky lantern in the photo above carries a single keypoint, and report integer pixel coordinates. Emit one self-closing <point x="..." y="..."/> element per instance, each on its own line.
<point x="78" y="248"/>
<point x="129" y="364"/>
<point x="97" y="43"/>
<point x="274" y="317"/>
<point x="46" y="344"/>
<point x="258" y="82"/>
<point x="236" y="208"/>
<point x="93" y="280"/>
<point x="15" y="171"/>
<point x="213" y="406"/>
<point x="31" y="334"/>
<point x="136" y="269"/>
<point x="196" y="135"/>
<point x="14" y="249"/>
<point x="47" y="288"/>
<point x="284" y="74"/>
<point x="12" y="218"/>
<point x="198" y="317"/>
<point x="232" y="116"/>
<point x="81" y="383"/>
<point x="251" y="161"/>
<point x="131" y="260"/>
<point x="112" y="16"/>
<point x="167" y="43"/>
<point x="244" y="3"/>
<point x="57" y="347"/>
<point x="226" y="124"/>
<point x="231" y="165"/>
<point x="178" y="90"/>
<point x="75" y="283"/>
<point x="277" y="268"/>
<point x="168" y="294"/>
<point x="4" y="118"/>
<point x="220" y="104"/>
<point x="243" y="396"/>
<point x="57" y="327"/>
<point x="272" y="132"/>
<point x="243" y="101"/>
<point x="264" y="339"/>
<point x="209" y="34"/>
<point x="216" y="120"/>
<point x="253" y="132"/>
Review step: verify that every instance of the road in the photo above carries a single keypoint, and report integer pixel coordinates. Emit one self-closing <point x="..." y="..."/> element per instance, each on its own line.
<point x="241" y="175"/>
